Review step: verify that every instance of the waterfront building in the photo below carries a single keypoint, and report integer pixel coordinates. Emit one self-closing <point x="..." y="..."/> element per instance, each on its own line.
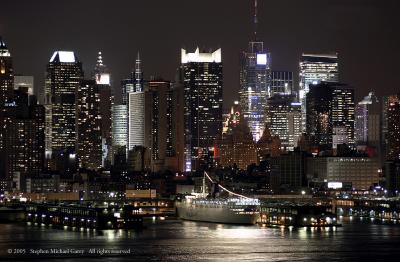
<point x="63" y="77"/>
<point x="361" y="172"/>
<point x="281" y="83"/>
<point x="283" y="117"/>
<point x="315" y="68"/>
<point x="393" y="127"/>
<point x="288" y="171"/>
<point x="43" y="184"/>
<point x="255" y="80"/>
<point x="202" y="81"/>
<point x="6" y="73"/>
<point x="89" y="124"/>
<point x="392" y="175"/>
<point x="329" y="105"/>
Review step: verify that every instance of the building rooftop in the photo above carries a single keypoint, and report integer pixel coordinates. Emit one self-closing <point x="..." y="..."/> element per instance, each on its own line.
<point x="198" y="57"/>
<point x="63" y="57"/>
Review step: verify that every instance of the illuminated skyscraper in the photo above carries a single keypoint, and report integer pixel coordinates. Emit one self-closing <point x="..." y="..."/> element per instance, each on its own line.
<point x="136" y="119"/>
<point x="368" y="121"/>
<point x="106" y="96"/>
<point x="315" y="68"/>
<point x="329" y="106"/>
<point x="283" y="117"/>
<point x="89" y="120"/>
<point x="255" y="77"/>
<point x="136" y="108"/>
<point x="6" y="73"/>
<point x="119" y="125"/>
<point x="393" y="128"/>
<point x="202" y="78"/>
<point x="63" y="77"/>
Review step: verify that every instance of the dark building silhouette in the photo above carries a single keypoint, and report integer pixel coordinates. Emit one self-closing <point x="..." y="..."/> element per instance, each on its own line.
<point x="393" y="127"/>
<point x="22" y="136"/>
<point x="330" y="106"/>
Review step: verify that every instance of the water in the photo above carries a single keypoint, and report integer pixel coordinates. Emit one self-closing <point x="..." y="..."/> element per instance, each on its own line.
<point x="176" y="240"/>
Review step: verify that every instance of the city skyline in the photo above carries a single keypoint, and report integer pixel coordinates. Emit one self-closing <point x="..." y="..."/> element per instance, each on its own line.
<point x="362" y="27"/>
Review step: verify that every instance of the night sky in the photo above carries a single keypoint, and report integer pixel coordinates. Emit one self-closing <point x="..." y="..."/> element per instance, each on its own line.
<point x="365" y="33"/>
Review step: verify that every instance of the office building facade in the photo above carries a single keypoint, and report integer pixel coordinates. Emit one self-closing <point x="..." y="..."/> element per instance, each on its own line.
<point x="6" y="73"/>
<point x="283" y="117"/>
<point x="89" y="124"/>
<point x="329" y="105"/>
<point x="202" y="80"/>
<point x="314" y="68"/>
<point x="63" y="77"/>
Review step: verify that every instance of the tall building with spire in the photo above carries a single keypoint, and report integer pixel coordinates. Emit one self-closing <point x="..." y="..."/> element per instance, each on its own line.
<point x="255" y="77"/>
<point x="63" y="77"/>
<point x="136" y="108"/>
<point x="6" y="73"/>
<point x="102" y="77"/>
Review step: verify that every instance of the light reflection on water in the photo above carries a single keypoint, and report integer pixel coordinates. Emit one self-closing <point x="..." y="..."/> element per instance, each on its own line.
<point x="186" y="240"/>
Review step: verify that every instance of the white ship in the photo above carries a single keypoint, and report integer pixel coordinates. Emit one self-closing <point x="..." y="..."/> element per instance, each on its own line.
<point x="232" y="210"/>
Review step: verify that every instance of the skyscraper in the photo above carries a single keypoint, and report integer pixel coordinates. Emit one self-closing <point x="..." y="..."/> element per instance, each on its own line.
<point x="283" y="117"/>
<point x="106" y="96"/>
<point x="255" y="77"/>
<point x="22" y="136"/>
<point x="63" y="77"/>
<point x="315" y="68"/>
<point x="368" y="122"/>
<point x="393" y="128"/>
<point x="202" y="79"/>
<point x="119" y="125"/>
<point x="136" y="109"/>
<point x="136" y="119"/>
<point x="159" y="137"/>
<point x="6" y="73"/>
<point x="89" y="120"/>
<point x="329" y="105"/>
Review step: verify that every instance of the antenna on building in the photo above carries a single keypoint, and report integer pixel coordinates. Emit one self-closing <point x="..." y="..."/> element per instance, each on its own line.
<point x="255" y="20"/>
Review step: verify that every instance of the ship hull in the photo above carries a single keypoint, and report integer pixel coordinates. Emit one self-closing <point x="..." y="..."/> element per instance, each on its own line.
<point x="215" y="215"/>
